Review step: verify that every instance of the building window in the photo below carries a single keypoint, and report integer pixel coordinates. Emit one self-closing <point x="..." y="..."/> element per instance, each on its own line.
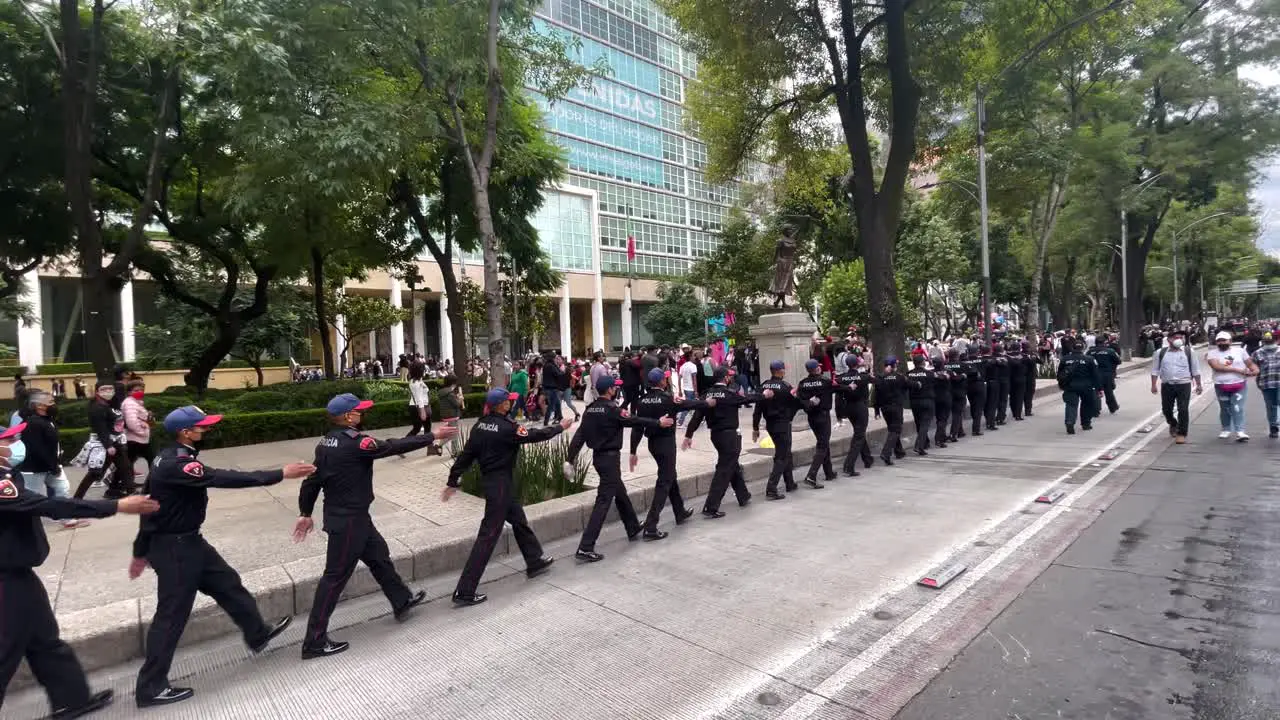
<point x="649" y="237"/>
<point x="564" y="230"/>
<point x="634" y="202"/>
<point x="702" y="244"/>
<point x="707" y="217"/>
<point x="616" y="262"/>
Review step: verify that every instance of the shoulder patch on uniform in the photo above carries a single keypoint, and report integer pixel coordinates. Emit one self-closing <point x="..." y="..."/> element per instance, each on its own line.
<point x="194" y="469"/>
<point x="522" y="431"/>
<point x="624" y="412"/>
<point x="8" y="490"/>
<point x="368" y="443"/>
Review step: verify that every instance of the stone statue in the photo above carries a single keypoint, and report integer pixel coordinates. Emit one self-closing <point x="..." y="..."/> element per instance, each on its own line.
<point x="784" y="264"/>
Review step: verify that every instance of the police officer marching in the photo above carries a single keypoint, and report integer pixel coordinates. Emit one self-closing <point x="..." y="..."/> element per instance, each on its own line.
<point x="1017" y="379"/>
<point x="494" y="445"/>
<point x="1003" y="380"/>
<point x="27" y="625"/>
<point x="991" y="369"/>
<point x="890" y="387"/>
<point x="920" y="383"/>
<point x="170" y="541"/>
<point x="976" y="388"/>
<point x="658" y="403"/>
<point x="722" y="421"/>
<point x="1032" y="362"/>
<point x="814" y="393"/>
<point x="1079" y="379"/>
<point x="344" y="472"/>
<point x="858" y="380"/>
<point x="941" y="401"/>
<point x="1108" y="359"/>
<point x="778" y="411"/>
<point x="601" y="430"/>
<point x="959" y="384"/>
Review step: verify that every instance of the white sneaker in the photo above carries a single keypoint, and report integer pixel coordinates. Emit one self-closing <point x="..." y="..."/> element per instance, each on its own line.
<point x="1224" y="434"/>
<point x="1242" y="437"/>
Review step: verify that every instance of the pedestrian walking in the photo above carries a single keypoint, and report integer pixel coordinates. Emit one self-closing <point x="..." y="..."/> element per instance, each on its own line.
<point x="104" y="454"/>
<point x="976" y="388"/>
<point x="1108" y="360"/>
<point x="420" y="403"/>
<point x="778" y="411"/>
<point x="891" y="386"/>
<point x="343" y="471"/>
<point x="1032" y="362"/>
<point x="41" y="470"/>
<point x="1174" y="368"/>
<point x="959" y="385"/>
<point x="920" y="382"/>
<point x="137" y="427"/>
<point x="28" y="629"/>
<point x="1231" y="366"/>
<point x="854" y="402"/>
<point x="815" y="392"/>
<point x="722" y="421"/>
<point x="184" y="562"/>
<point x="658" y="403"/>
<point x="494" y="445"/>
<point x="1267" y="359"/>
<point x="1079" y="379"/>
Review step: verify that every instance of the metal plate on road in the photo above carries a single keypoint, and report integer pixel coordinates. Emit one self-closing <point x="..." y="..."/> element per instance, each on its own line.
<point x="1109" y="454"/>
<point x="1146" y="428"/>
<point x="1051" y="496"/>
<point x="942" y="575"/>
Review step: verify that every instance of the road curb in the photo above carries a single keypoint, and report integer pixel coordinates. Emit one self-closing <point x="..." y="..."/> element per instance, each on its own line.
<point x="115" y="633"/>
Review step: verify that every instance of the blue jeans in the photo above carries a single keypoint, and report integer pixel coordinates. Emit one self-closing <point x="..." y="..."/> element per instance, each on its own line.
<point x="1271" y="396"/>
<point x="553" y="407"/>
<point x="688" y="395"/>
<point x="744" y="382"/>
<point x="567" y="398"/>
<point x="1231" y="408"/>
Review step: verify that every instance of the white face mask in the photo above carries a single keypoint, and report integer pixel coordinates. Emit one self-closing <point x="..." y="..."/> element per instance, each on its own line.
<point x="1177" y="344"/>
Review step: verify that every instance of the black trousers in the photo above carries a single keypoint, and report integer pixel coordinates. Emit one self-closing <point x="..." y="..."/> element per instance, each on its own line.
<point x="29" y="630"/>
<point x="922" y="413"/>
<point x="783" y="463"/>
<point x="993" y="397"/>
<point x="820" y="423"/>
<point x="941" y="419"/>
<point x="1002" y="400"/>
<point x="1079" y="400"/>
<point x="631" y="397"/>
<point x="1017" y="386"/>
<point x="352" y="540"/>
<point x="957" y="414"/>
<point x="893" y="421"/>
<point x="1179" y="396"/>
<point x="501" y="506"/>
<point x="1109" y="391"/>
<point x="186" y="564"/>
<point x="858" y="447"/>
<point x="977" y="404"/>
<point x="663" y="450"/>
<point x="118" y="471"/>
<point x="136" y="451"/>
<point x="419" y="424"/>
<point x="611" y="491"/>
<point x="1029" y="391"/>
<point x="728" y="445"/>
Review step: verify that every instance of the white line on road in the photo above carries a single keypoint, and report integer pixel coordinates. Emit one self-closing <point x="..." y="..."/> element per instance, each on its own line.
<point x="813" y="699"/>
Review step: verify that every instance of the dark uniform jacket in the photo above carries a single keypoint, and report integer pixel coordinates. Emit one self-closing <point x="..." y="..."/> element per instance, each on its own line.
<point x="344" y="471"/>
<point x="494" y="444"/>
<point x="819" y="387"/>
<point x="920" y="384"/>
<point x="975" y="371"/>
<point x="724" y="416"/>
<point x="959" y="379"/>
<point x="180" y="483"/>
<point x="23" y="544"/>
<point x="1078" y="372"/>
<point x="601" y="428"/>
<point x="890" y="388"/>
<point x="1107" y="359"/>
<point x="655" y="405"/>
<point x="777" y="410"/>
<point x="41" y="439"/>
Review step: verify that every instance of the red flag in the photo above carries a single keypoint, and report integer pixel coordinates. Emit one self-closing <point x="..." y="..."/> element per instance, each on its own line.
<point x="631" y="244"/>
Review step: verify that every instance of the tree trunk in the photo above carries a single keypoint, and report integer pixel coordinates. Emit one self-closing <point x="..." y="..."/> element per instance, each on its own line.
<point x="457" y="324"/>
<point x="492" y="286"/>
<point x="257" y="367"/>
<point x="1054" y="202"/>
<point x="322" y="321"/>
<point x="197" y="376"/>
<point x="99" y="297"/>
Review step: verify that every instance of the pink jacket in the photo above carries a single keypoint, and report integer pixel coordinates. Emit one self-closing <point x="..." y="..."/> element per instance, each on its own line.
<point x="136" y="428"/>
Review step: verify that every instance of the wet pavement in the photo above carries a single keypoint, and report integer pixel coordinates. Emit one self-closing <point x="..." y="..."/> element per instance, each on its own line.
<point x="1167" y="607"/>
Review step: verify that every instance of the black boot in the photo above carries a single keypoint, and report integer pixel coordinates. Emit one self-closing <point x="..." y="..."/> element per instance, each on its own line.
<point x="1071" y="429"/>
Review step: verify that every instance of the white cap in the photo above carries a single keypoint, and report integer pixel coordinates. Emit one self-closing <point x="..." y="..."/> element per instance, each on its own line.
<point x="1224" y="335"/>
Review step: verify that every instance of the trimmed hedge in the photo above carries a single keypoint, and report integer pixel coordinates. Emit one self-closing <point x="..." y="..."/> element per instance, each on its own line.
<point x="65" y="369"/>
<point x="250" y="428"/>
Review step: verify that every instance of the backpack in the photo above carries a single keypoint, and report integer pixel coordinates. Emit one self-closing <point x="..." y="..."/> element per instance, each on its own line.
<point x="1160" y="356"/>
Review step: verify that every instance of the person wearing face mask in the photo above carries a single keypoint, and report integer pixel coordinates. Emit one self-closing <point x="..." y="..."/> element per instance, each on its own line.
<point x="137" y="425"/>
<point x="659" y="402"/>
<point x="344" y="471"/>
<point x="890" y="387"/>
<point x="1079" y="379"/>
<point x="39" y="464"/>
<point x="1175" y="368"/>
<point x="1231" y="366"/>
<point x="921" y="383"/>
<point x="1267" y="359"/>
<point x="28" y="629"/>
<point x="104" y="454"/>
<point x="185" y="563"/>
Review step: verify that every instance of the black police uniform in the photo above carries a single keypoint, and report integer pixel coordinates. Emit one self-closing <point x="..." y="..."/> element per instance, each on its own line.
<point x="890" y="388"/>
<point x="1079" y="379"/>
<point x="1003" y="381"/>
<point x="818" y="387"/>
<point x="1032" y="362"/>
<point x="778" y="413"/>
<point x="1108" y="360"/>
<point x="344" y="471"/>
<point x="494" y="444"/>
<point x="959" y="383"/>
<point x="941" y="405"/>
<point x="27" y="625"/>
<point x="921" y="394"/>
<point x="1017" y="383"/>
<point x="991" y="371"/>
<point x="185" y="563"/>
<point x="858" y="381"/>
<point x="975" y="369"/>
<point x="657" y="404"/>
<point x="722" y="421"/>
<point x="601" y="430"/>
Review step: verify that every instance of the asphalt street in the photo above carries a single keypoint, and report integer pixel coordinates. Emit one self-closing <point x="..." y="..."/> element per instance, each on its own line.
<point x="802" y="608"/>
<point x="1166" y="607"/>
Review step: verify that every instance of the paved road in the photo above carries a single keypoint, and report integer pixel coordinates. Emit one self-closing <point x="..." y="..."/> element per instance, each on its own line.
<point x="1166" y="607"/>
<point x="797" y="609"/>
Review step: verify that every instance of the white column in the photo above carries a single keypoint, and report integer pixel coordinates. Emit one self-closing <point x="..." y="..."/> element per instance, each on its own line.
<point x="30" y="337"/>
<point x="420" y="325"/>
<point x="128" y="343"/>
<point x="597" y="316"/>
<point x="566" y="333"/>
<point x="340" y="329"/>
<point x="397" y="330"/>
<point x="446" y="330"/>
<point x="373" y="345"/>
<point x="626" y="317"/>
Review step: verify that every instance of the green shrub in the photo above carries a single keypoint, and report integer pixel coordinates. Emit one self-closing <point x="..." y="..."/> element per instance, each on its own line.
<point x="538" y="473"/>
<point x="263" y="401"/>
<point x="83" y="368"/>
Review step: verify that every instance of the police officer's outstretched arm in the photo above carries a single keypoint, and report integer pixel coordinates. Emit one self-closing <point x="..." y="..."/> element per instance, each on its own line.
<point x="194" y="473"/>
<point x="524" y="436"/>
<point x="19" y="501"/>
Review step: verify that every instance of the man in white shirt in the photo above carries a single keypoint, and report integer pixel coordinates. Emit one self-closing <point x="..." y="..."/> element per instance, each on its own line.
<point x="688" y="382"/>
<point x="1231" y="366"/>
<point x="1175" y="368"/>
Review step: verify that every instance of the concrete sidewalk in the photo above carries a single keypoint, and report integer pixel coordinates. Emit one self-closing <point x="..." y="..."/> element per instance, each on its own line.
<point x="105" y="616"/>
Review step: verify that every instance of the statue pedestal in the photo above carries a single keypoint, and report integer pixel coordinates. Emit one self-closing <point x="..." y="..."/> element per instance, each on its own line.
<point x="787" y="337"/>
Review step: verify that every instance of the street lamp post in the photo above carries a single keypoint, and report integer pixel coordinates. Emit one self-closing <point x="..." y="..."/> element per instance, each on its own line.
<point x="982" y="212"/>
